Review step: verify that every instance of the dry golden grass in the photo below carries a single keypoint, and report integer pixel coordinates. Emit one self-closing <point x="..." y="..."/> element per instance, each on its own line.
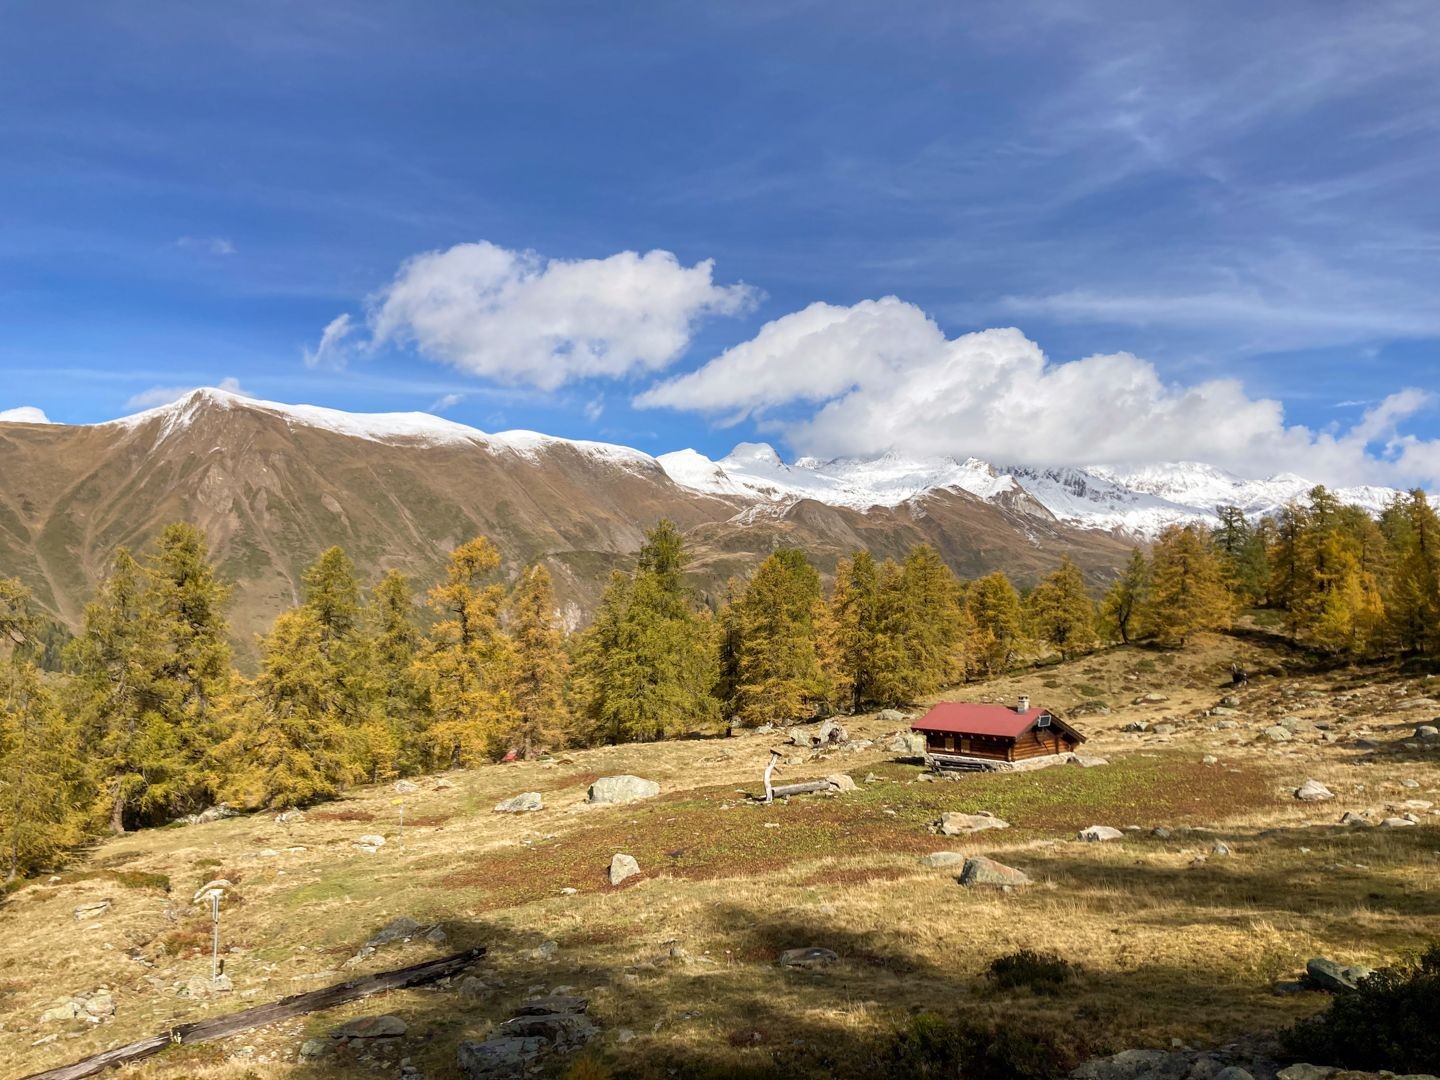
<point x="1166" y="948"/>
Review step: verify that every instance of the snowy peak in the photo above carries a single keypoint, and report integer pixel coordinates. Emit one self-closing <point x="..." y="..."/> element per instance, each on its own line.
<point x="1136" y="502"/>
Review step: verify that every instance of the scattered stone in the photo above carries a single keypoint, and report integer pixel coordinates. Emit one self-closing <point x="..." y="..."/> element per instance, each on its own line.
<point x="371" y="1027"/>
<point x="370" y="842"/>
<point x="1099" y="833"/>
<point x="93" y="910"/>
<point x="1306" y="1072"/>
<point x="546" y="950"/>
<point x="891" y="716"/>
<point x="522" y="803"/>
<point x="1332" y="976"/>
<point x="1313" y="791"/>
<point x="215" y="813"/>
<point x="1163" y="729"/>
<point x="622" y="789"/>
<point x="66" y="1010"/>
<point x="1226" y="725"/>
<point x="200" y="986"/>
<point x="956" y="824"/>
<point x="810" y="959"/>
<point x="1160" y="832"/>
<point x="1151" y="698"/>
<point x="1395" y="823"/>
<point x="942" y="860"/>
<point x="471" y="986"/>
<point x="1427" y="731"/>
<point x="622" y="868"/>
<point x="443" y="785"/>
<point x="400" y="928"/>
<point x="1136" y="726"/>
<point x="498" y="1058"/>
<point x="1276" y="733"/>
<point x="1232" y="1072"/>
<point x="980" y="871"/>
<point x="908" y="744"/>
<point x="1209" y="759"/>
<point x="406" y="787"/>
<point x="1350" y="817"/>
<point x="1220" y="848"/>
<point x="311" y="1049"/>
<point x="841" y="782"/>
<point x="831" y="733"/>
<point x="1088" y="762"/>
<point x="290" y="817"/>
<point x="1289" y="986"/>
<point x="100" y="1004"/>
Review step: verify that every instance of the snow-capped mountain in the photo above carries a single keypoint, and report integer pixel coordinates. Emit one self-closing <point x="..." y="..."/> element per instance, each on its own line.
<point x="1136" y="502"/>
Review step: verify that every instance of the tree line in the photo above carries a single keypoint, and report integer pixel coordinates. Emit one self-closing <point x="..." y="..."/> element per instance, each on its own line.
<point x="147" y="718"/>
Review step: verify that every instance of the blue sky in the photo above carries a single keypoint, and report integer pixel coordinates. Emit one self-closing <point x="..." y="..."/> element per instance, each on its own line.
<point x="192" y="193"/>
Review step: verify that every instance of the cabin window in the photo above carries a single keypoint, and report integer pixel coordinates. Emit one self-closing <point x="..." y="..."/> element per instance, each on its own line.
<point x="965" y="744"/>
<point x="949" y="742"/>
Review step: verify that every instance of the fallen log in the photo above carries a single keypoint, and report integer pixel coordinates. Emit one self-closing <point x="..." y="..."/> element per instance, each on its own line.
<point x="807" y="788"/>
<point x="220" y="1027"/>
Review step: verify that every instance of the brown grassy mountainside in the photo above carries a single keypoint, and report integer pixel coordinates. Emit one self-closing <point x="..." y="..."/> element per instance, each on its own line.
<point x="271" y="492"/>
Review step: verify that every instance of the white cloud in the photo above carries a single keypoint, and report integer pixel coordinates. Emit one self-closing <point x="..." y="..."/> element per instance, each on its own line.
<point x="24" y="414"/>
<point x="211" y="245"/>
<point x="517" y="317"/>
<point x="445" y="401"/>
<point x="882" y="376"/>
<point x="333" y="350"/>
<point x="163" y="395"/>
<point x="595" y="408"/>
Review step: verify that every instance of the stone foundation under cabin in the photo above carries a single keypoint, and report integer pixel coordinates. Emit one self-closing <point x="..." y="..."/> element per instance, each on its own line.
<point x="964" y="763"/>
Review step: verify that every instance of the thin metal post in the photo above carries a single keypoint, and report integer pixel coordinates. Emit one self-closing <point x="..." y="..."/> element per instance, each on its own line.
<point x="215" y="936"/>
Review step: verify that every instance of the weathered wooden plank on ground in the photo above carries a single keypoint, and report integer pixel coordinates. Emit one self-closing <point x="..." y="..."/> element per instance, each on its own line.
<point x="220" y="1027"/>
<point x="807" y="788"/>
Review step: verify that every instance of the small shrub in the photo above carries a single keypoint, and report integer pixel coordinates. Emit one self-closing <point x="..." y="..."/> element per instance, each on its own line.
<point x="932" y="1046"/>
<point x="1089" y="690"/>
<point x="139" y="879"/>
<point x="1042" y="973"/>
<point x="587" y="1068"/>
<point x="1051" y="684"/>
<point x="1391" y="1022"/>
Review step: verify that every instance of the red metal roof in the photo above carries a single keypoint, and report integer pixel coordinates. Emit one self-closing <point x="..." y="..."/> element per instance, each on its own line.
<point x="965" y="718"/>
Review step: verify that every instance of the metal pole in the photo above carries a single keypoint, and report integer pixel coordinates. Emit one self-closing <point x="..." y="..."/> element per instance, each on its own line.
<point x="215" y="938"/>
<point x="769" y="769"/>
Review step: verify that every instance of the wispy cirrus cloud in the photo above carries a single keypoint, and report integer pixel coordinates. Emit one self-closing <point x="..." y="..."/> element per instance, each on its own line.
<point x="163" y="395"/>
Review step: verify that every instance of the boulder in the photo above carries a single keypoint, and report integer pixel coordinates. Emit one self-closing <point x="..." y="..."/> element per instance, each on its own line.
<point x="910" y="744"/>
<point x="100" y="1004"/>
<point x="1306" y="1072"/>
<point x="1395" y="823"/>
<point x="942" y="860"/>
<point x="1333" y="976"/>
<point x="519" y="804"/>
<point x="1313" y="791"/>
<point x="891" y="716"/>
<point x="92" y="910"/>
<point x="68" y="1009"/>
<point x="980" y="871"/>
<point x="622" y="868"/>
<point x="1232" y="1072"/>
<point x="1220" y="848"/>
<point x="400" y="928"/>
<point x="1163" y="729"/>
<point x="290" y="817"/>
<point x="1152" y="698"/>
<point x="1427" y="731"/>
<point x="443" y="785"/>
<point x="406" y="787"/>
<point x="1276" y="733"/>
<point x="622" y="789"/>
<point x="1089" y="761"/>
<point x="1098" y="833"/>
<point x="371" y="1027"/>
<point x="370" y="841"/>
<point x="957" y="824"/>
<point x="507" y="1058"/>
<point x="810" y="959"/>
<point x="831" y="733"/>
<point x="214" y="813"/>
<point x="841" y="782"/>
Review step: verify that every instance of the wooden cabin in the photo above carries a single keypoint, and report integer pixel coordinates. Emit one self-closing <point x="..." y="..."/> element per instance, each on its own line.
<point x="965" y="735"/>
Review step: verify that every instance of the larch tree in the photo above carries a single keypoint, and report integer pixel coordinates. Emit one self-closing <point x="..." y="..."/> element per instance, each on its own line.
<point x="1412" y="595"/>
<point x="466" y="661"/>
<point x="1188" y="587"/>
<point x="540" y="714"/>
<point x="922" y="639"/>
<point x="780" y="676"/>
<point x="856" y="614"/>
<point x="1061" y="613"/>
<point x="395" y="646"/>
<point x="998" y="624"/>
<point x="1126" y="599"/>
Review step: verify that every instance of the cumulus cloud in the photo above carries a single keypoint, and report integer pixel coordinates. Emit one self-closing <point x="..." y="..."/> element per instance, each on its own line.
<point x="882" y="376"/>
<point x="163" y="395"/>
<point x="24" y="414"/>
<point x="518" y="318"/>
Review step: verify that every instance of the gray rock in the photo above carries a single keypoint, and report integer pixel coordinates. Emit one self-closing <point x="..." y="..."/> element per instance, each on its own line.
<point x="370" y="841"/>
<point x="201" y="986"/>
<point x="215" y="813"/>
<point x="1209" y="759"/>
<point x="1230" y="701"/>
<point x="522" y="803"/>
<point x="1232" y="1072"/>
<point x="100" y="1004"/>
<point x="622" y="868"/>
<point x="1396" y="823"/>
<point x="406" y="787"/>
<point x="1226" y="725"/>
<point x="980" y="872"/>
<point x="65" y="1010"/>
<point x="622" y="789"/>
<point x="553" y="1005"/>
<point x="400" y="928"/>
<point x="1160" y="832"/>
<point x="1350" y="817"/>
<point x="810" y="959"/>
<point x="311" y="1049"/>
<point x="841" y="782"/>
<point x="472" y="986"/>
<point x="1163" y="729"/>
<point x="506" y="1058"/>
<point x="1313" y="791"/>
<point x="942" y="860"/>
<point x="891" y="716"/>
<point x="1306" y="1072"/>
<point x="1129" y="1065"/>
<point x="1276" y="733"/>
<point x="1335" y="977"/>
<point x="443" y="785"/>
<point x="1427" y="731"/>
<point x="371" y="1027"/>
<point x="909" y="744"/>
<point x="1152" y="698"/>
<point x="290" y="817"/>
<point x="1220" y="848"/>
<point x="831" y="733"/>
<point x="92" y="910"/>
<point x="1136" y="726"/>
<point x="1098" y="833"/>
<point x="1089" y="761"/>
<point x="957" y="824"/>
<point x="546" y="950"/>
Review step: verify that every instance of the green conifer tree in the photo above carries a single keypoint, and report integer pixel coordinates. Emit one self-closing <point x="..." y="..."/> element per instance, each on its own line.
<point x="1188" y="587"/>
<point x="998" y="621"/>
<point x="779" y="672"/>
<point x="1126" y="599"/>
<point x="541" y="665"/>
<point x="1061" y="613"/>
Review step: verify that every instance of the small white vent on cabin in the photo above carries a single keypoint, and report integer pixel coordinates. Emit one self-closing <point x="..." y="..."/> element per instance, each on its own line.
<point x="1044" y="720"/>
<point x="1024" y="705"/>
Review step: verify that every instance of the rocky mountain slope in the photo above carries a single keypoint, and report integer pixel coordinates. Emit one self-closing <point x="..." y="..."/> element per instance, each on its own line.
<point x="273" y="485"/>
